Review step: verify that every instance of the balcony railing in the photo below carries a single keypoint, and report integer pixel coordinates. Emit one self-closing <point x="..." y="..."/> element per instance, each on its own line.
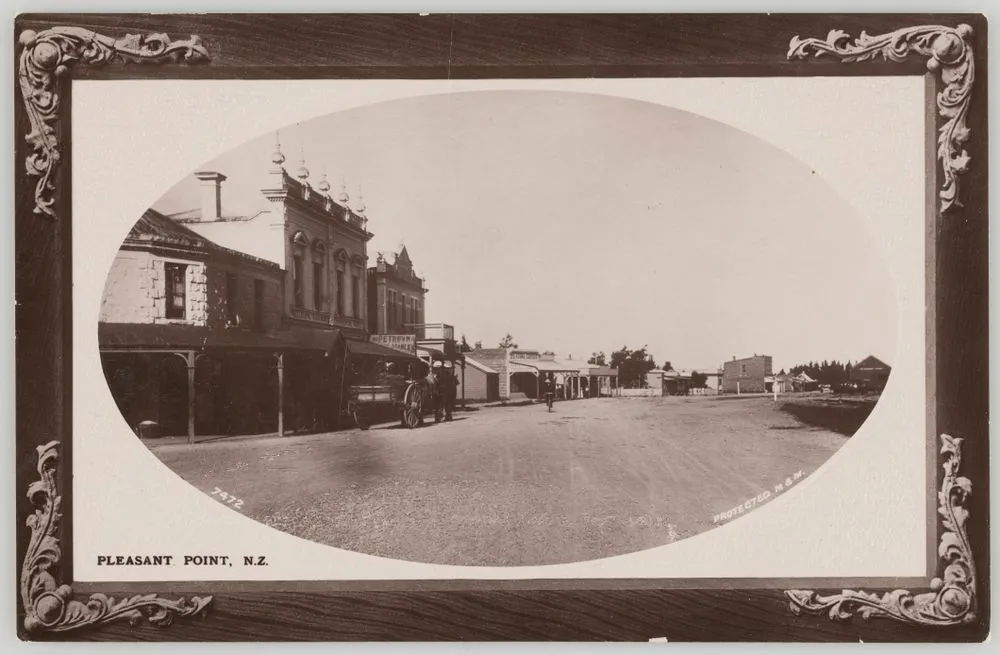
<point x="432" y="331"/>
<point x="310" y="315"/>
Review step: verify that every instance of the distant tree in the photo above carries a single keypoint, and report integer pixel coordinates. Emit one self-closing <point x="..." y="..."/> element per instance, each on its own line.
<point x="632" y="365"/>
<point x="666" y="366"/>
<point x="508" y="341"/>
<point x="463" y="346"/>
<point x="830" y="372"/>
<point x="477" y="345"/>
<point x="698" y="380"/>
<point x="598" y="359"/>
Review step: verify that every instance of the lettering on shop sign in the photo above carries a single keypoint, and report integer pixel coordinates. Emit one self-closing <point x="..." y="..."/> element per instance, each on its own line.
<point x="759" y="499"/>
<point x="406" y="343"/>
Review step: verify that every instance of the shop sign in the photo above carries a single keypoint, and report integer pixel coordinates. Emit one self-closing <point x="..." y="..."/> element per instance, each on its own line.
<point x="405" y="343"/>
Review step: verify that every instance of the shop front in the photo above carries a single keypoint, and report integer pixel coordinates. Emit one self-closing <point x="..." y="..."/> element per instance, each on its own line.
<point x="182" y="379"/>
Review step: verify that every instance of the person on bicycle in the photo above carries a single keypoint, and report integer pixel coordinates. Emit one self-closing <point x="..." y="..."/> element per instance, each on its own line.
<point x="550" y="390"/>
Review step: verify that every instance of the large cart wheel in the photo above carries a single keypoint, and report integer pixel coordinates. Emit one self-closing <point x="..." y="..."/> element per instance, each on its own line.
<point x="412" y="407"/>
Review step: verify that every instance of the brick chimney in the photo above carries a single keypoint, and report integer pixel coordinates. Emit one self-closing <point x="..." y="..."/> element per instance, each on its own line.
<point x="211" y="194"/>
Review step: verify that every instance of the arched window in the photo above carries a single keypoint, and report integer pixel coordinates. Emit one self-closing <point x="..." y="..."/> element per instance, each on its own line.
<point x="299" y="244"/>
<point x="319" y="275"/>
<point x="342" y="283"/>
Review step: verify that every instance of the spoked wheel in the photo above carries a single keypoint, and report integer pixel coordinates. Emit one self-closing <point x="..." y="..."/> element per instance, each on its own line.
<point x="360" y="419"/>
<point x="412" y="407"/>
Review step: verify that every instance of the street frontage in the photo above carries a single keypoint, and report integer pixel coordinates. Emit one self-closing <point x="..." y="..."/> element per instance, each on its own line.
<point x="510" y="486"/>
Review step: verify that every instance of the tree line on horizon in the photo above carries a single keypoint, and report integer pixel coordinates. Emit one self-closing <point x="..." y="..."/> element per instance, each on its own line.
<point x="634" y="363"/>
<point x="826" y="372"/>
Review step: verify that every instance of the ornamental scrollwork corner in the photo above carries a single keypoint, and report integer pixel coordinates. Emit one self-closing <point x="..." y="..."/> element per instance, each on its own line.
<point x="949" y="53"/>
<point x="51" y="606"/>
<point x="47" y="56"/>
<point x="951" y="599"/>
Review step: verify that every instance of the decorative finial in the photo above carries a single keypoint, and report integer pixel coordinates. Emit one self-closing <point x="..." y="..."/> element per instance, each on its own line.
<point x="324" y="185"/>
<point x="342" y="197"/>
<point x="303" y="172"/>
<point x="277" y="157"/>
<point x="359" y="206"/>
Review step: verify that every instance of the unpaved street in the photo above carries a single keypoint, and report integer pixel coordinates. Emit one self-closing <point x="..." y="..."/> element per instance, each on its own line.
<point x="517" y="485"/>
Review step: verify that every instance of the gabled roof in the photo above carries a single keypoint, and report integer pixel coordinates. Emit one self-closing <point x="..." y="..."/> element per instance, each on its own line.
<point x="154" y="229"/>
<point x="871" y="362"/>
<point x="479" y="365"/>
<point x="491" y="358"/>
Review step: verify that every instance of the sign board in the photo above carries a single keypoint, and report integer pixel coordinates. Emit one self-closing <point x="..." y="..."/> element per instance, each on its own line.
<point x="406" y="343"/>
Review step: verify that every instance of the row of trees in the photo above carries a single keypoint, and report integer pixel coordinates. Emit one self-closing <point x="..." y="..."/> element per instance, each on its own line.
<point x="825" y="372"/>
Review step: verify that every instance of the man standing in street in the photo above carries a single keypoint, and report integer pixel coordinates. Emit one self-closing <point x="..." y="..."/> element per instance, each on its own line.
<point x="450" y="392"/>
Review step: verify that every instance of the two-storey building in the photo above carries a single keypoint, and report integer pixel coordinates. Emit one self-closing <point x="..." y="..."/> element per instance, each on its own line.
<point x="319" y="240"/>
<point x="395" y="295"/>
<point x="747" y="375"/>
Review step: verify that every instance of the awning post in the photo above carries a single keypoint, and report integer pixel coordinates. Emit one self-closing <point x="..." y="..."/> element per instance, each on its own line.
<point x="281" y="393"/>
<point x="190" y="361"/>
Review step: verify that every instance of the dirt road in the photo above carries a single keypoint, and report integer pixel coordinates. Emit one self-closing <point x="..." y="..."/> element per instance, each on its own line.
<point x="515" y="486"/>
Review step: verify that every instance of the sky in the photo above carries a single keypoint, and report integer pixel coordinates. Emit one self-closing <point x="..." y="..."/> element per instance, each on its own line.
<point x="582" y="223"/>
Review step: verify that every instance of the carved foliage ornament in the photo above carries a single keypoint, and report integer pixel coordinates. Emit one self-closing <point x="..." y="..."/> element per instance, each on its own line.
<point x="50" y="606"/>
<point x="951" y="599"/>
<point x="47" y="55"/>
<point x="949" y="53"/>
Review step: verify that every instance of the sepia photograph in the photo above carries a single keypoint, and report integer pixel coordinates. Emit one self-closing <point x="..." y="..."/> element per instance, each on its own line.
<point x="406" y="327"/>
<point x="498" y="328"/>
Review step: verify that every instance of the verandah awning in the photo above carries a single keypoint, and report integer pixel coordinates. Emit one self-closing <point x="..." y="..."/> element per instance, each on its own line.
<point x="437" y="354"/>
<point x="368" y="349"/>
<point x="545" y="366"/>
<point x="195" y="337"/>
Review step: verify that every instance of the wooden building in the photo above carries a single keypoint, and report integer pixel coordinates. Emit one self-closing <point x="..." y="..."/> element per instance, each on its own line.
<point x="871" y="373"/>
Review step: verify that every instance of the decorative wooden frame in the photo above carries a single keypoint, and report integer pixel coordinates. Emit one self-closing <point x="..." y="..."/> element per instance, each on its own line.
<point x="950" y="48"/>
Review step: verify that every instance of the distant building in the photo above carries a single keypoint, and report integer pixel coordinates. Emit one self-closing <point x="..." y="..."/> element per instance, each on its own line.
<point x="793" y="383"/>
<point x="481" y="382"/>
<point x="598" y="381"/>
<point x="871" y="373"/>
<point x="713" y="380"/>
<point x="747" y="375"/>
<point x="395" y="295"/>
<point x="517" y="374"/>
<point x="670" y="382"/>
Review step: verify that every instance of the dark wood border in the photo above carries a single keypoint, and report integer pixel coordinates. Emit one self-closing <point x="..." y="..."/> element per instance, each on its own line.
<point x="299" y="46"/>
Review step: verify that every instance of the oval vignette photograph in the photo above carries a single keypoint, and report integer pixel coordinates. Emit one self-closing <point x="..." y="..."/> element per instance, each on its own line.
<point x="498" y="328"/>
